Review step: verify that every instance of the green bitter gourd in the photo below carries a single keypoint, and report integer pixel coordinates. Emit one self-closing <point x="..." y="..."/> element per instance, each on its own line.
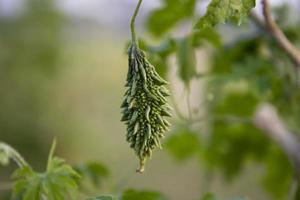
<point x="144" y="107"/>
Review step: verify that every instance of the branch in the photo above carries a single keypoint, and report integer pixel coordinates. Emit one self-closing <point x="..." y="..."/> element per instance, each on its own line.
<point x="279" y="36"/>
<point x="267" y="119"/>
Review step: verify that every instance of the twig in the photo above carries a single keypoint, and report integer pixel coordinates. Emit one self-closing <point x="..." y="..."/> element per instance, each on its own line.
<point x="279" y="36"/>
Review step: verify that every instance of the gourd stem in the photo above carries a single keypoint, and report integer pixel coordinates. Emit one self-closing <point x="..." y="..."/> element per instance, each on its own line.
<point x="132" y="23"/>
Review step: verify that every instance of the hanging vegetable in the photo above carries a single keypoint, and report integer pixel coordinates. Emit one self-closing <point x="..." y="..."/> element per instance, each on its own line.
<point x="145" y="106"/>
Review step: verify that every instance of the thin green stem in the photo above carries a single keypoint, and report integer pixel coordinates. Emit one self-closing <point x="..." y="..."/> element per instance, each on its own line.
<point x="132" y="23"/>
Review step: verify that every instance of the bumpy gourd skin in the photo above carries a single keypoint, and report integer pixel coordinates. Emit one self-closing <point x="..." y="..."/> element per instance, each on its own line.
<point x="144" y="107"/>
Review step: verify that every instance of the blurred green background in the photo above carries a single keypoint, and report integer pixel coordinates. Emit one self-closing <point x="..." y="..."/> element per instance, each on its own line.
<point x="62" y="71"/>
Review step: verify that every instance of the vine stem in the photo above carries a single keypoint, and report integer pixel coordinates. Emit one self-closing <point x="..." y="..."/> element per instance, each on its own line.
<point x="132" y="23"/>
<point x="279" y="36"/>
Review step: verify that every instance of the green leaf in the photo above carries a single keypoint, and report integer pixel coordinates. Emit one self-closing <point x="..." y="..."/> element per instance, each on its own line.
<point x="183" y="144"/>
<point x="163" y="19"/>
<point x="297" y="195"/>
<point x="94" y="171"/>
<point x="142" y="195"/>
<point x="247" y="103"/>
<point x="210" y="196"/>
<point x="158" y="55"/>
<point x="160" y="63"/>
<point x="165" y="48"/>
<point x="206" y="35"/>
<point x="232" y="145"/>
<point x="220" y="11"/>
<point x="57" y="183"/>
<point x="186" y="59"/>
<point x="234" y="139"/>
<point x="279" y="173"/>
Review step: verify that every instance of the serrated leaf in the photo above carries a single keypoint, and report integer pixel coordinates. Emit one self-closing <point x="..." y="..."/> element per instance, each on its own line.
<point x="183" y="144"/>
<point x="220" y="11"/>
<point x="142" y="195"/>
<point x="186" y="59"/>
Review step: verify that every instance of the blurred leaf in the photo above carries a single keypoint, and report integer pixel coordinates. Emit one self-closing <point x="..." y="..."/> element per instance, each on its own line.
<point x="233" y="144"/>
<point x="160" y="64"/>
<point x="281" y="14"/>
<point x="142" y="195"/>
<point x="208" y="34"/>
<point x="183" y="144"/>
<point x="94" y="171"/>
<point x="158" y="55"/>
<point x="220" y="11"/>
<point x="246" y="104"/>
<point x="234" y="139"/>
<point x="164" y="18"/>
<point x="167" y="47"/>
<point x="292" y="33"/>
<point x="186" y="59"/>
<point x="297" y="195"/>
<point x="236" y="52"/>
<point x="279" y="173"/>
<point x="209" y="196"/>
